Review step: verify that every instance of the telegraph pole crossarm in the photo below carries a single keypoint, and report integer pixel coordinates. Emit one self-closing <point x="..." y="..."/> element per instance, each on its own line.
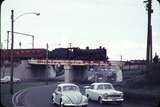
<point x="25" y="35"/>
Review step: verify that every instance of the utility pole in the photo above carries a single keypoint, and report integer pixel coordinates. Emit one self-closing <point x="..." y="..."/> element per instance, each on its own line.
<point x="12" y="52"/>
<point x="12" y="44"/>
<point x="121" y="62"/>
<point x="7" y="39"/>
<point x="70" y="45"/>
<point x="47" y="62"/>
<point x="0" y="36"/>
<point x="0" y="24"/>
<point x="149" y="31"/>
<point x="20" y="44"/>
<point x="33" y="42"/>
<point x="0" y="39"/>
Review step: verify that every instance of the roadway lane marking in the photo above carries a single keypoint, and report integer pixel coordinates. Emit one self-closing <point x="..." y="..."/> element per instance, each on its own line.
<point x="16" y="96"/>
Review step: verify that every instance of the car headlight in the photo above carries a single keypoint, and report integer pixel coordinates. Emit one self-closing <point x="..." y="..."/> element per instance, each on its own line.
<point x="122" y="94"/>
<point x="85" y="99"/>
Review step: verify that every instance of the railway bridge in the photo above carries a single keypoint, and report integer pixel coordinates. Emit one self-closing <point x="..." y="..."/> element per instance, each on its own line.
<point x="74" y="69"/>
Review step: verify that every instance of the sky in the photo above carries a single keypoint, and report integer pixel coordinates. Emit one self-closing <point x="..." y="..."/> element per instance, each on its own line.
<point x="118" y="25"/>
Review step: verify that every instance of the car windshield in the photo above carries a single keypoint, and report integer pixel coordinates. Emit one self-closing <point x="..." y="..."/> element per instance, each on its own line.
<point x="104" y="86"/>
<point x="70" y="88"/>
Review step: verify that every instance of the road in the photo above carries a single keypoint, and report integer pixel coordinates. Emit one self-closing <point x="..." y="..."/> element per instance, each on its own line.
<point x="39" y="97"/>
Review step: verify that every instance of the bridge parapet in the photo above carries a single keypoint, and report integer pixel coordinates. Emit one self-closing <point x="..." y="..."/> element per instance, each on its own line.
<point x="67" y="62"/>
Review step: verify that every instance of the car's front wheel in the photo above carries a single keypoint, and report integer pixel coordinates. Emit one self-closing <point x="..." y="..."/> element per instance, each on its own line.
<point x="100" y="100"/>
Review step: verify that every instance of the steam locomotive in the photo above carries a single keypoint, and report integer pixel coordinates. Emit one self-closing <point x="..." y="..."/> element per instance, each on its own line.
<point x="74" y="53"/>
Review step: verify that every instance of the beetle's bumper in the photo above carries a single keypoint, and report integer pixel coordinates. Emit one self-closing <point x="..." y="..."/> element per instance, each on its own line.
<point x="83" y="104"/>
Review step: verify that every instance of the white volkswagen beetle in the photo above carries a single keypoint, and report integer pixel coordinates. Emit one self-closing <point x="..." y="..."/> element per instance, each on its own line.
<point x="68" y="94"/>
<point x="103" y="92"/>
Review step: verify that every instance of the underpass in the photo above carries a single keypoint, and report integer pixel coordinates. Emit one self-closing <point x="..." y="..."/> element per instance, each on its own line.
<point x="40" y="97"/>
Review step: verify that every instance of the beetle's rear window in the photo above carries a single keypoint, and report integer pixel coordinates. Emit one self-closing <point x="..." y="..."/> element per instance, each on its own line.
<point x="70" y="88"/>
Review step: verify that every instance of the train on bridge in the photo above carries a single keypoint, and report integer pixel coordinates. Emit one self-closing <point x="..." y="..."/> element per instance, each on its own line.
<point x="74" y="53"/>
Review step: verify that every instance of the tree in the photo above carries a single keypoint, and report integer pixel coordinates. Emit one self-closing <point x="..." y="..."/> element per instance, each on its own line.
<point x="156" y="58"/>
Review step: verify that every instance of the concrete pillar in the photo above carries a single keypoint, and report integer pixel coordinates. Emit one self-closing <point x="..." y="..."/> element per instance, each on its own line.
<point x="119" y="76"/>
<point x="51" y="71"/>
<point x="68" y="73"/>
